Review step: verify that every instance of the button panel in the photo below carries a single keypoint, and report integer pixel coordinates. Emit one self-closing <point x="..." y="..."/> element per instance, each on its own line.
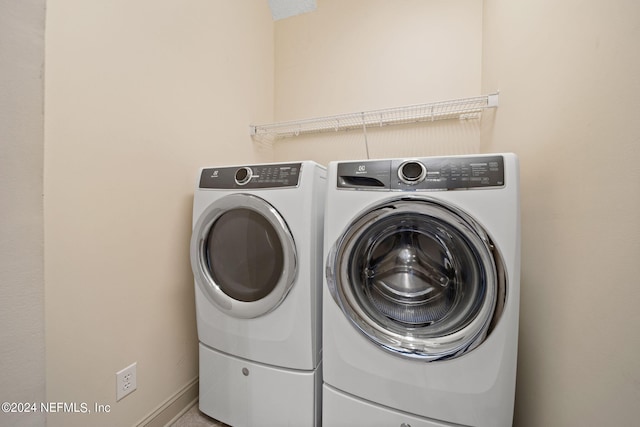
<point x="252" y="176"/>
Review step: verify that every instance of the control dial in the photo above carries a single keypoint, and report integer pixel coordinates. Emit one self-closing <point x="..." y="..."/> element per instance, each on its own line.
<point x="243" y="175"/>
<point x="412" y="172"/>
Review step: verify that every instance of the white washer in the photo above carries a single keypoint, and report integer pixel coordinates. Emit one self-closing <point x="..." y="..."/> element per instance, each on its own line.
<point x="256" y="256"/>
<point x="421" y="303"/>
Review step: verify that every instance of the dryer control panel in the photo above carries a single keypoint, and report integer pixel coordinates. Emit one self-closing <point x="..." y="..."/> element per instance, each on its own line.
<point x="252" y="176"/>
<point x="423" y="174"/>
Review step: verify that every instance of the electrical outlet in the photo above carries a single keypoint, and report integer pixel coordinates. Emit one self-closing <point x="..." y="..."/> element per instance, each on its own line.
<point x="126" y="381"/>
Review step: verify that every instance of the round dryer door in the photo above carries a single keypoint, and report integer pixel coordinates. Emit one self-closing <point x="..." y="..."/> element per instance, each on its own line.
<point x="243" y="255"/>
<point x="418" y="277"/>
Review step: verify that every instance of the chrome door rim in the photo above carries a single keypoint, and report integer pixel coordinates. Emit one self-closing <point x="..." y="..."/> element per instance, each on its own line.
<point x="206" y="282"/>
<point x="427" y="343"/>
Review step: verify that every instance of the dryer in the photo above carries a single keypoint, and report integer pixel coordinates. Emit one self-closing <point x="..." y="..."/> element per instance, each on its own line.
<point x="256" y="256"/>
<point x="421" y="303"/>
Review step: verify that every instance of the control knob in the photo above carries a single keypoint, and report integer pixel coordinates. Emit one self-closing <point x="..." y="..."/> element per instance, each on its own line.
<point x="412" y="172"/>
<point x="243" y="175"/>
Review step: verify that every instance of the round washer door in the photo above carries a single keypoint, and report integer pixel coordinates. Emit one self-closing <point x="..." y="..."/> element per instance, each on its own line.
<point x="418" y="277"/>
<point x="243" y="255"/>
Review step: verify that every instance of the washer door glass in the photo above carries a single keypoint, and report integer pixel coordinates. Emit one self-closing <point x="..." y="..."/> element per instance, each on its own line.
<point x="418" y="278"/>
<point x="243" y="255"/>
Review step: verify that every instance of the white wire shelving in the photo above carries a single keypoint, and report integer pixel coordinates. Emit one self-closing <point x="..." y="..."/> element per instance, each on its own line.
<point x="461" y="109"/>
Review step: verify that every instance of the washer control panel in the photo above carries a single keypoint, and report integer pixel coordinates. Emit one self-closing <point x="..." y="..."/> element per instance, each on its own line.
<point x="423" y="174"/>
<point x="252" y="176"/>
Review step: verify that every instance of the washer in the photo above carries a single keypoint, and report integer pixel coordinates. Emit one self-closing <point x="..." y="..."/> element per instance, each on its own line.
<point x="421" y="303"/>
<point x="256" y="256"/>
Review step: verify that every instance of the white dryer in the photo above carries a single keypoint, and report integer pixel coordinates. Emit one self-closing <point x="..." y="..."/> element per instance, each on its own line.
<point x="256" y="256"/>
<point x="421" y="303"/>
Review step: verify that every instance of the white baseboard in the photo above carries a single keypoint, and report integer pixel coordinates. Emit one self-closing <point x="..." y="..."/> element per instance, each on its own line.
<point x="172" y="408"/>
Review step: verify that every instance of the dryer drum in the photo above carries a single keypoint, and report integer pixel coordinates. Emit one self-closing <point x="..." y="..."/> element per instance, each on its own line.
<point x="418" y="277"/>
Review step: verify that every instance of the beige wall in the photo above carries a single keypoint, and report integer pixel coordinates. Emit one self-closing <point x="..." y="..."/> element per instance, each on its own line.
<point x="22" y="352"/>
<point x="359" y="55"/>
<point x="568" y="74"/>
<point x="368" y="54"/>
<point x="138" y="96"/>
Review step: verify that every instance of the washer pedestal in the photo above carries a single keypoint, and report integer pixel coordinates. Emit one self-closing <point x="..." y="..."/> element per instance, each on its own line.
<point x="343" y="410"/>
<point x="242" y="393"/>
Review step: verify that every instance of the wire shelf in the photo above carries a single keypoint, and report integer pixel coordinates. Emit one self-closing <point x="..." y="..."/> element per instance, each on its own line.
<point x="462" y="109"/>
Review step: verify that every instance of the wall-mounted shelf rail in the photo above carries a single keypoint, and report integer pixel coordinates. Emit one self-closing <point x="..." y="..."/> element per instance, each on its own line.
<point x="462" y="109"/>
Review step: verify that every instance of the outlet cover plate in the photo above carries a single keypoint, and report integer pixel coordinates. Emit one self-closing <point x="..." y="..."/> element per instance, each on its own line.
<point x="126" y="381"/>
